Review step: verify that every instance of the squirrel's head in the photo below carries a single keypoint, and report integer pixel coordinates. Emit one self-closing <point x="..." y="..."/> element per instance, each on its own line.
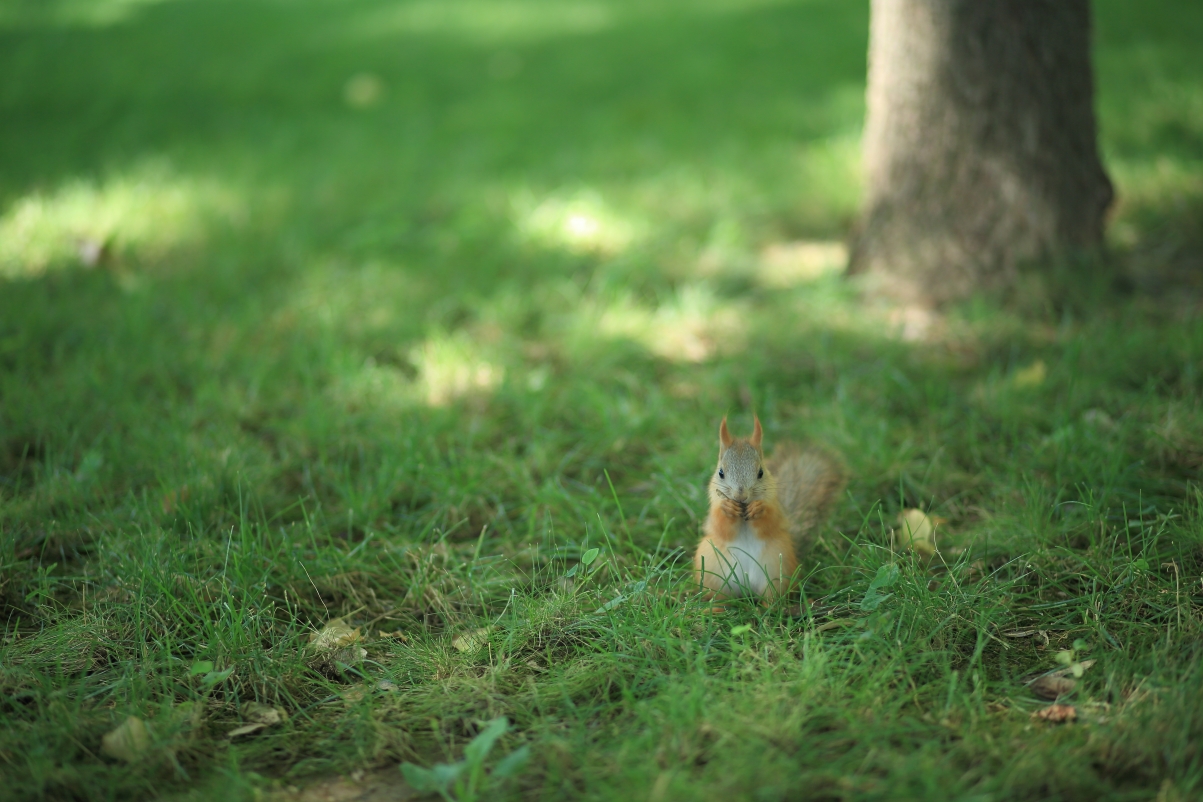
<point x="740" y="473"/>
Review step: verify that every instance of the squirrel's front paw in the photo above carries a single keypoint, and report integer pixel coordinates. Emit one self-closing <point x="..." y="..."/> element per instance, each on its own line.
<point x="732" y="509"/>
<point x="755" y="510"/>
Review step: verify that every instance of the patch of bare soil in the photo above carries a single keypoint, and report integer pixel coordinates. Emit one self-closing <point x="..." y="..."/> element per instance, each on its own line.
<point x="385" y="785"/>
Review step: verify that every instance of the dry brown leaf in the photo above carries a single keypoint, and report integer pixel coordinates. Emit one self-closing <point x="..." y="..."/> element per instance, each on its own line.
<point x="335" y="635"/>
<point x="129" y="741"/>
<point x="472" y="641"/>
<point x="1057" y="714"/>
<point x="1052" y="687"/>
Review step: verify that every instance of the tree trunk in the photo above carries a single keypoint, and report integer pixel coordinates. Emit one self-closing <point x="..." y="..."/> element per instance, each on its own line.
<point x="980" y="149"/>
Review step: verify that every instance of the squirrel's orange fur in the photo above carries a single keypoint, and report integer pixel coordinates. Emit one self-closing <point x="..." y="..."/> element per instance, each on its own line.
<point x="751" y="542"/>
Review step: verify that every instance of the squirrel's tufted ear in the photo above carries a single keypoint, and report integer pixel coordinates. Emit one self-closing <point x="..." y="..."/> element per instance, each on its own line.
<point x="724" y="437"/>
<point x="757" y="433"/>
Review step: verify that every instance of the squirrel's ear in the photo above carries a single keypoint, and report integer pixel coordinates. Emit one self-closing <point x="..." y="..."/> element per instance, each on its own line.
<point x="757" y="433"/>
<point x="724" y="437"/>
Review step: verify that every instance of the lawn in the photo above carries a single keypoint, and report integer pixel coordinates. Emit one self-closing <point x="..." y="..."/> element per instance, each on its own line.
<point x="422" y="315"/>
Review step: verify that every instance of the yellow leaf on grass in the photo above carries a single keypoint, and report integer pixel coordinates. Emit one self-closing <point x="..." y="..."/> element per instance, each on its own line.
<point x="472" y="641"/>
<point x="335" y="635"/>
<point x="917" y="531"/>
<point x="1031" y="376"/>
<point x="247" y="729"/>
<point x="129" y="741"/>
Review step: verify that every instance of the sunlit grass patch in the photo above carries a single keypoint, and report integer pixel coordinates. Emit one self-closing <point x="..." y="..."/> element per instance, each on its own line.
<point x="1147" y="190"/>
<point x="453" y="367"/>
<point x="453" y="376"/>
<point x="142" y="213"/>
<point x="90" y="13"/>
<point x="580" y="222"/>
<point x="691" y="325"/>
<point x="787" y="264"/>
<point x="529" y="21"/>
<point x="492" y="21"/>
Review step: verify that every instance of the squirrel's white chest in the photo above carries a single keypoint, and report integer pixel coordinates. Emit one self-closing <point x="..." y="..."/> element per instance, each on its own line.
<point x="748" y="565"/>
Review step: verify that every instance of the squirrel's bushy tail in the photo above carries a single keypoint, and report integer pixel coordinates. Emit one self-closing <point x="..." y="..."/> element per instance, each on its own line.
<point x="809" y="481"/>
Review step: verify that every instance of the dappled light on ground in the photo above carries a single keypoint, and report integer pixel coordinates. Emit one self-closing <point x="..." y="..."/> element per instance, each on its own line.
<point x="422" y="316"/>
<point x="691" y="326"/>
<point x="143" y="214"/>
<point x="580" y="222"/>
<point x="451" y="368"/>
<point x="490" y="21"/>
<point x="515" y="22"/>
<point x="788" y="264"/>
<point x="88" y="13"/>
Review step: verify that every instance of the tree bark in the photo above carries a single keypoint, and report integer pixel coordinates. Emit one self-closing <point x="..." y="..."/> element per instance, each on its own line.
<point x="980" y="149"/>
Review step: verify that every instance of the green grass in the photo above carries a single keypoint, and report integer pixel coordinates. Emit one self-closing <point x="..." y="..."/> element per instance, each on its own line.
<point x="406" y="361"/>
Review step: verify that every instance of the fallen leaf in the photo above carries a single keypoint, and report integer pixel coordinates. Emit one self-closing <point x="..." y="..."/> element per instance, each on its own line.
<point x="387" y="685"/>
<point x="1052" y="687"/>
<point x="246" y="729"/>
<point x="1031" y="376"/>
<point x="259" y="716"/>
<point x="336" y="646"/>
<point x="397" y="634"/>
<point x="917" y="531"/>
<point x="1076" y="669"/>
<point x="1057" y="714"/>
<point x="263" y="714"/>
<point x="129" y="741"/>
<point x="335" y="635"/>
<point x="472" y="641"/>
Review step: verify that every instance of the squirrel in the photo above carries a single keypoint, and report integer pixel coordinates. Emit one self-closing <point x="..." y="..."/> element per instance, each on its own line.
<point x="763" y="515"/>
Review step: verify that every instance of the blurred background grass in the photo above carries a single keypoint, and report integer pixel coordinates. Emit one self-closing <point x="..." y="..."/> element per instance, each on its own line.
<point x="347" y="278"/>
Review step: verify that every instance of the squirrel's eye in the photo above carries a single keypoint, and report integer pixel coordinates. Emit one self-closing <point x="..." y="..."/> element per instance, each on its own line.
<point x="761" y="474"/>
<point x="720" y="473"/>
